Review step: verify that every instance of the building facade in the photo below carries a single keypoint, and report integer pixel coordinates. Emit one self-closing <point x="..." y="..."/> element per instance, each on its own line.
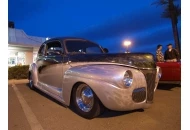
<point x="21" y="47"/>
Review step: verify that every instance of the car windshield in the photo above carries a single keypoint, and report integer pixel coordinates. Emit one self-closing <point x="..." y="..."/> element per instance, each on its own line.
<point x="84" y="47"/>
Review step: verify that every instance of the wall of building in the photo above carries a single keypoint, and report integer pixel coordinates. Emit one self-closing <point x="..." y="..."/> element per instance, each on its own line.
<point x="35" y="52"/>
<point x="29" y="58"/>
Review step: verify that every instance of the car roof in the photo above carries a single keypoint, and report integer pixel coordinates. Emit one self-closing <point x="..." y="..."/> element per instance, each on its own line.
<point x="64" y="38"/>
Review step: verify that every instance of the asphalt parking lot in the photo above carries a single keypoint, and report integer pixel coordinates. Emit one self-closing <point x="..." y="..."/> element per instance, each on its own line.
<point x="34" y="110"/>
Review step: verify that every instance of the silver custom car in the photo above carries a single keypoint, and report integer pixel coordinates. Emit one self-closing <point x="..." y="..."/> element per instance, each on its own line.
<point x="79" y="73"/>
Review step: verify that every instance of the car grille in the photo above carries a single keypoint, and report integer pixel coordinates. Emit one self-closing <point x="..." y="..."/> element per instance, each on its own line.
<point x="139" y="94"/>
<point x="150" y="76"/>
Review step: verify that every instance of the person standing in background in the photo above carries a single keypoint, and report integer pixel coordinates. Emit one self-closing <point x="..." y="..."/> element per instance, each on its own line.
<point x="171" y="54"/>
<point x="159" y="54"/>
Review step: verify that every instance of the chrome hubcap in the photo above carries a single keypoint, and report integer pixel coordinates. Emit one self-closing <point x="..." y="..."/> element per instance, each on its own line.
<point x="84" y="98"/>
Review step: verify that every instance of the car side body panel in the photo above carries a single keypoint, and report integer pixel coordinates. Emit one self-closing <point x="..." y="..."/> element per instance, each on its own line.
<point x="108" y="88"/>
<point x="171" y="71"/>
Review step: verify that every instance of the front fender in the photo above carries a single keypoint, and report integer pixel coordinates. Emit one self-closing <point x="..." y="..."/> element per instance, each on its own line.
<point x="104" y="80"/>
<point x="108" y="73"/>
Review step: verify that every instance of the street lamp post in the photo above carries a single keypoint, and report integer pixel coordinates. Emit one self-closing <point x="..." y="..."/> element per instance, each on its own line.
<point x="127" y="43"/>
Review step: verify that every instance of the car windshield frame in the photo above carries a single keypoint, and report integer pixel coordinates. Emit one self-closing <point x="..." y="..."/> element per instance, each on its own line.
<point x="83" y="44"/>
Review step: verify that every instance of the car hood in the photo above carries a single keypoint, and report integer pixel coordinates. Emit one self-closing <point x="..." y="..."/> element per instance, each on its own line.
<point x="139" y="60"/>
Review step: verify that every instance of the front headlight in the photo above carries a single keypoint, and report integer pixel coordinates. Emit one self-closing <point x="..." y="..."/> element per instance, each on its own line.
<point x="128" y="78"/>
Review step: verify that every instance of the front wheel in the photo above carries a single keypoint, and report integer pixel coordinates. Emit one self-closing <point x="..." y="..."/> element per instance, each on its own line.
<point x="85" y="102"/>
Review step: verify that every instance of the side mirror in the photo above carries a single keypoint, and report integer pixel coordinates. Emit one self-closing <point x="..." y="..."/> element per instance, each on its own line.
<point x="54" y="52"/>
<point x="106" y="50"/>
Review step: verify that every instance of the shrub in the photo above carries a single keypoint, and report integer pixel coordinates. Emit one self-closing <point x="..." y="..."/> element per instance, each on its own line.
<point x="18" y="72"/>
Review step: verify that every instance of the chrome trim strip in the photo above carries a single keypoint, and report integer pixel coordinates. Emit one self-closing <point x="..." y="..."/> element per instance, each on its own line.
<point x="108" y="63"/>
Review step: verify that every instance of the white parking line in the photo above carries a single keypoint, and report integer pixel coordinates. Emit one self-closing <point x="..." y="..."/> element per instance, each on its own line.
<point x="32" y="120"/>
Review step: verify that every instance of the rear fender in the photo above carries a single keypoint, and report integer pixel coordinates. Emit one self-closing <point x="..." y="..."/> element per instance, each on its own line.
<point x="33" y="71"/>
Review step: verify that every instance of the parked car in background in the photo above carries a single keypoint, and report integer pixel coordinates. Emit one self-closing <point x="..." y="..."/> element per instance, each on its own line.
<point x="171" y="72"/>
<point x="79" y="73"/>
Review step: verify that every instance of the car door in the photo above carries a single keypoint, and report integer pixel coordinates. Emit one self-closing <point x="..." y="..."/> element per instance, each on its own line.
<point x="166" y="71"/>
<point x="171" y="71"/>
<point x="176" y="72"/>
<point x="39" y="63"/>
<point x="54" y="67"/>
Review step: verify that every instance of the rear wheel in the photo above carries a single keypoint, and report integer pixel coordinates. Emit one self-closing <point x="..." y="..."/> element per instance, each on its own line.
<point x="31" y="83"/>
<point x="85" y="101"/>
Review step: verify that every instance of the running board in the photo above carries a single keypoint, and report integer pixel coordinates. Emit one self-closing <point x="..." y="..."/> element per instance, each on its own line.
<point x="51" y="91"/>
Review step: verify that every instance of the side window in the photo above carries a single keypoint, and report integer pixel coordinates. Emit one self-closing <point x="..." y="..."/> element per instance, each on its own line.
<point x="54" y="46"/>
<point x="41" y="50"/>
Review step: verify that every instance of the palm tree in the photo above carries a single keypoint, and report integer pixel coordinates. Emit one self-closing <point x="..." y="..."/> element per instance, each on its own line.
<point x="171" y="11"/>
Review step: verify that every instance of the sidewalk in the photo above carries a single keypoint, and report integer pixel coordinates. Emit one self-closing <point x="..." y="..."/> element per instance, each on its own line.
<point x="15" y="81"/>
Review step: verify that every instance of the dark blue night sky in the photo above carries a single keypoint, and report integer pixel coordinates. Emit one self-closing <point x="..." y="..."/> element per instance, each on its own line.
<point x="107" y="22"/>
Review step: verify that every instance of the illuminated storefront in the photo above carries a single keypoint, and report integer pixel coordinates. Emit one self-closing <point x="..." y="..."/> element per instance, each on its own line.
<point x="22" y="48"/>
<point x="16" y="58"/>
